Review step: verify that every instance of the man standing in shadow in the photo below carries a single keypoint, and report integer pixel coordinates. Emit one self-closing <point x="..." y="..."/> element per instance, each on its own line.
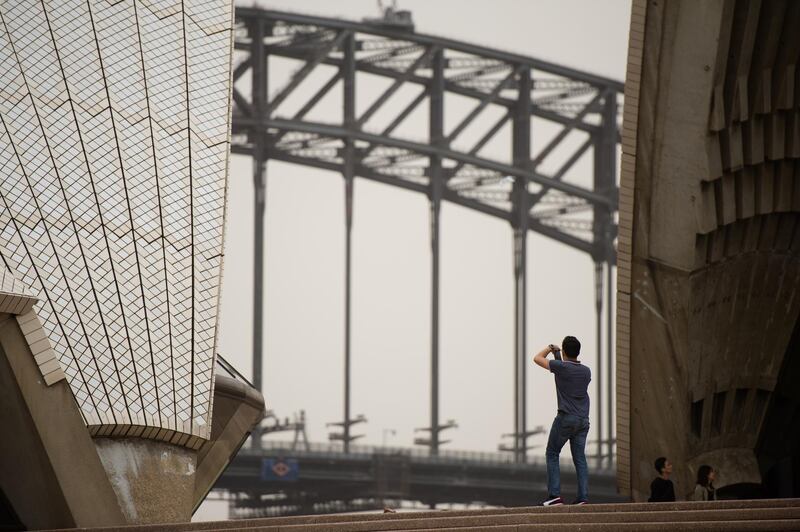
<point x="661" y="489"/>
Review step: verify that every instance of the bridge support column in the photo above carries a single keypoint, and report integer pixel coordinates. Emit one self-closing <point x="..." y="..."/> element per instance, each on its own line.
<point x="436" y="189"/>
<point x="435" y="214"/>
<point x="520" y="222"/>
<point x="259" y="91"/>
<point x="610" y="355"/>
<point x="597" y="374"/>
<point x="349" y="171"/>
<point x="609" y="144"/>
<point x="259" y="209"/>
<point x="520" y="341"/>
<point x="605" y="161"/>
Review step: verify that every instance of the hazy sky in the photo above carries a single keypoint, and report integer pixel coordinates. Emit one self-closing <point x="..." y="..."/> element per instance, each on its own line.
<point x="304" y="296"/>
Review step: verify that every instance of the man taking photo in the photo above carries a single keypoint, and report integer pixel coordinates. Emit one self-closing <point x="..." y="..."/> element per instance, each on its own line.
<point x="572" y="421"/>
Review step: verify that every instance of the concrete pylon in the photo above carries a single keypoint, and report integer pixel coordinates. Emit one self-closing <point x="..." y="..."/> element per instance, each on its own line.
<point x="709" y="246"/>
<point x="54" y="474"/>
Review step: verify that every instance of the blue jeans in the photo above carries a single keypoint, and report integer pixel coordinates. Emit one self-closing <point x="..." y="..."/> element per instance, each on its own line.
<point x="573" y="428"/>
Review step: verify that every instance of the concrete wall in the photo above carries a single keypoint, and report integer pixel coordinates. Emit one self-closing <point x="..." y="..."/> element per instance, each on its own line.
<point x="153" y="480"/>
<point x="708" y="243"/>
<point x="55" y="475"/>
<point x="49" y="469"/>
<point x="238" y="407"/>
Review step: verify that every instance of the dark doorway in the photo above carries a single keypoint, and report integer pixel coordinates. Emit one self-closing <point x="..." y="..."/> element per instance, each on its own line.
<point x="8" y="517"/>
<point x="778" y="448"/>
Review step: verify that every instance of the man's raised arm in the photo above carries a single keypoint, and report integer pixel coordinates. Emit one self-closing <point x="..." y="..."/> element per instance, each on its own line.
<point x="541" y="357"/>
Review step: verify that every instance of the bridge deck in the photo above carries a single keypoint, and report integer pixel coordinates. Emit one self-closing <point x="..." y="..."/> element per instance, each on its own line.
<point x="279" y="481"/>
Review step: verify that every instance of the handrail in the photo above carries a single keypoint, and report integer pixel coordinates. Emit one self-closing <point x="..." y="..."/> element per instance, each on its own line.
<point x="416" y="454"/>
<point x="232" y="372"/>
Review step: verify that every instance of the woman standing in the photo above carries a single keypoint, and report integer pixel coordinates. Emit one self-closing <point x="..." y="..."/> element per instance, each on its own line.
<point x="704" y="490"/>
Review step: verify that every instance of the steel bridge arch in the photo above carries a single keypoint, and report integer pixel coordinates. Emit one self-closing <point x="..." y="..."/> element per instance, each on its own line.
<point x="516" y="189"/>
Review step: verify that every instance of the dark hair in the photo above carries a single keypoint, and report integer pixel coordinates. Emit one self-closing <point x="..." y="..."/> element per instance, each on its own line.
<point x="571" y="346"/>
<point x="702" y="475"/>
<point x="660" y="462"/>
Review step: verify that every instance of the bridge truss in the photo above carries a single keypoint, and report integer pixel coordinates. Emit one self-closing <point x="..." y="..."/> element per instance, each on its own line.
<point x="532" y="191"/>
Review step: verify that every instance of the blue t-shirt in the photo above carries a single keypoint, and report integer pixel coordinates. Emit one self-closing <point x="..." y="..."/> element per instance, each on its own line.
<point x="572" y="387"/>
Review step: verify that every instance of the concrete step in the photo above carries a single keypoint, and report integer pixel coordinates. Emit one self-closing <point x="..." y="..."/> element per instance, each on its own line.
<point x="613" y="508"/>
<point x="705" y="526"/>
<point x="775" y="514"/>
<point x="480" y="522"/>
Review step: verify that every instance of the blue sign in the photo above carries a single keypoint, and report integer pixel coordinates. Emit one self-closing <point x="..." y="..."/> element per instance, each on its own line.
<point x="283" y="469"/>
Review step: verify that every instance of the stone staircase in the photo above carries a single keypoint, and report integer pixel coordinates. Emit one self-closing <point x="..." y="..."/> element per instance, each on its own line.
<point x="771" y="514"/>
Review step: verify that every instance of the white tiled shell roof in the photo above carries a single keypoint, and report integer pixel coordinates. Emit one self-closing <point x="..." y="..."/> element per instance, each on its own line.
<point x="114" y="141"/>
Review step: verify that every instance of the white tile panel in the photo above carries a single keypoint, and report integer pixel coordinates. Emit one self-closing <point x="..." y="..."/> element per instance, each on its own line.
<point x="114" y="142"/>
<point x="16" y="298"/>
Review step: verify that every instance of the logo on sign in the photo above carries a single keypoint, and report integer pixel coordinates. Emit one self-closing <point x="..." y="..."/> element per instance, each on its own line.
<point x="279" y="469"/>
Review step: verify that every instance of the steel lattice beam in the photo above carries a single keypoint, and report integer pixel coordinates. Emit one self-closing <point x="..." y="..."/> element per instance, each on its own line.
<point x="518" y="188"/>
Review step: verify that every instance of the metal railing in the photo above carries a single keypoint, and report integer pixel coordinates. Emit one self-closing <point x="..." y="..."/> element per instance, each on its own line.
<point x="335" y="450"/>
<point x="229" y="371"/>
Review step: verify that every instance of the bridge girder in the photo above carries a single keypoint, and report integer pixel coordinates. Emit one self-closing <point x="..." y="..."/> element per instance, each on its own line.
<point x="532" y="190"/>
<point x="574" y="100"/>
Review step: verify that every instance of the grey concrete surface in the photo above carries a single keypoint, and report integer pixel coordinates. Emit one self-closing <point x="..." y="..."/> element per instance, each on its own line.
<point x="776" y="514"/>
<point x="237" y="409"/>
<point x="49" y="469"/>
<point x="153" y="480"/>
<point x="709" y="254"/>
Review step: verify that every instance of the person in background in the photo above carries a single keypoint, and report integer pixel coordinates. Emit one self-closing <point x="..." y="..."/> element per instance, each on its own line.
<point x="704" y="490"/>
<point x="661" y="489"/>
